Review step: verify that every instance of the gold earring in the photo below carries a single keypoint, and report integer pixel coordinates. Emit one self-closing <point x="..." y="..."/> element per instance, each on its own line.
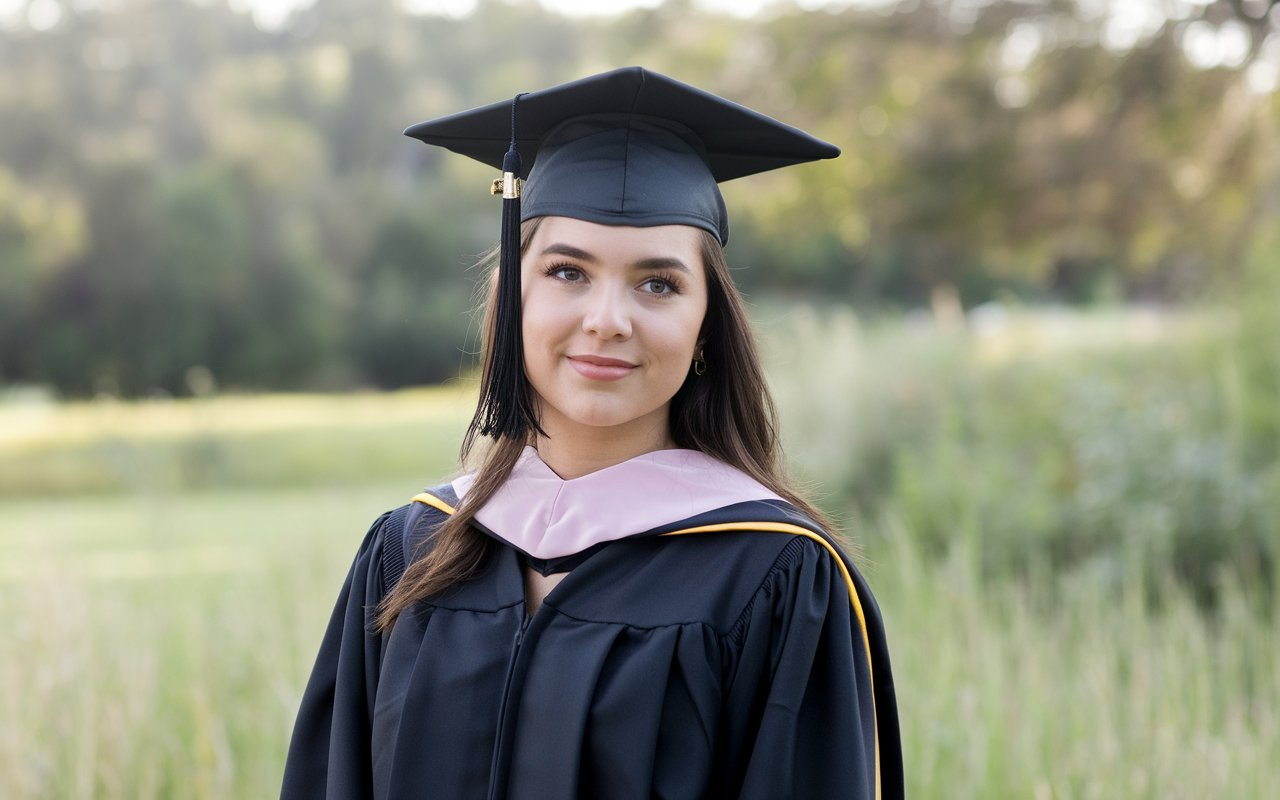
<point x="699" y="363"/>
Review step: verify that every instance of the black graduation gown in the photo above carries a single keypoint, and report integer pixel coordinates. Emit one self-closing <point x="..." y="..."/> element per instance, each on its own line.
<point x="729" y="662"/>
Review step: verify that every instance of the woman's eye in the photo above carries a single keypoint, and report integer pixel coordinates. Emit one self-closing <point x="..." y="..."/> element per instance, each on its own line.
<point x="657" y="286"/>
<point x="570" y="274"/>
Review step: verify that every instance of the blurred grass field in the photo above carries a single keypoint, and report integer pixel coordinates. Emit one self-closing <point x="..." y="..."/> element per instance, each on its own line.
<point x="1069" y="521"/>
<point x="236" y="441"/>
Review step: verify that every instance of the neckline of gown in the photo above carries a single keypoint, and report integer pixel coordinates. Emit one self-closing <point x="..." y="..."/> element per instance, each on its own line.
<point x="547" y="517"/>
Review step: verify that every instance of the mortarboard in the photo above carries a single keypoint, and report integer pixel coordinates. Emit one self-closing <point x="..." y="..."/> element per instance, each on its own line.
<point x="627" y="147"/>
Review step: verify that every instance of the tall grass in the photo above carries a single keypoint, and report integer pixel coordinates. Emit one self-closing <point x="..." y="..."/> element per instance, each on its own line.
<point x="1058" y="513"/>
<point x="157" y="648"/>
<point x="166" y="569"/>
<point x="1060" y="688"/>
<point x="1119" y="444"/>
<point x="1072" y="521"/>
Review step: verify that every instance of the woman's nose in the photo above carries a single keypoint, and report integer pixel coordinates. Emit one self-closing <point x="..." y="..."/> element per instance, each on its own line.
<point x="606" y="315"/>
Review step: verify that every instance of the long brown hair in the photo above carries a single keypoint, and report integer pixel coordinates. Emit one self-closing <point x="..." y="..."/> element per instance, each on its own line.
<point x="727" y="412"/>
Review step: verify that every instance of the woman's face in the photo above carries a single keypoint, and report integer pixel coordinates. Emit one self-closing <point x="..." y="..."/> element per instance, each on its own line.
<point x="611" y="321"/>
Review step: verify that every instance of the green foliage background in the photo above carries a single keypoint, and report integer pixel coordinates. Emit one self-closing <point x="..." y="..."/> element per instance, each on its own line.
<point x="181" y="188"/>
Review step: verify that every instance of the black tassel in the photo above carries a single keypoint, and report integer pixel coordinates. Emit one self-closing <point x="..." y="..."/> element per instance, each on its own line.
<point x="506" y="403"/>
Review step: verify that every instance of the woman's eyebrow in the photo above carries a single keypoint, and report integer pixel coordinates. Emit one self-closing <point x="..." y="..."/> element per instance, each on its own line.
<point x="661" y="263"/>
<point x="569" y="251"/>
<point x="655" y="263"/>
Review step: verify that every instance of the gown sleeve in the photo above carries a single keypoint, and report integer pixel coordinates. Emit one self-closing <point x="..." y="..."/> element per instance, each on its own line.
<point x="329" y="753"/>
<point x="800" y="707"/>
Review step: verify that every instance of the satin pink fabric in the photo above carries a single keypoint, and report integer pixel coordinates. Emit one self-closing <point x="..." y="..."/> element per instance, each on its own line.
<point x="546" y="516"/>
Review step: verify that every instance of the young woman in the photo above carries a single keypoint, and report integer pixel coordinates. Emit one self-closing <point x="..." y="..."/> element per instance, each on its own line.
<point x="626" y="598"/>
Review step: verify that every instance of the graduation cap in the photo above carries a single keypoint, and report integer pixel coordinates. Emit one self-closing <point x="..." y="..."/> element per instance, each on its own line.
<point x="627" y="147"/>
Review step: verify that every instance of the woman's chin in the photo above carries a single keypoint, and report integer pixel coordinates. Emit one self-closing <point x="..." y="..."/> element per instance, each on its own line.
<point x="595" y="419"/>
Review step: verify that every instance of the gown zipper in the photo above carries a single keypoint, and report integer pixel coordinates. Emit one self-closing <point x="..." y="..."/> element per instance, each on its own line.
<point x="503" y="710"/>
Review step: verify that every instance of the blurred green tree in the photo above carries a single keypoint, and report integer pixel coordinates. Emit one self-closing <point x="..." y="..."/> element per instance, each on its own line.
<point x="1042" y="150"/>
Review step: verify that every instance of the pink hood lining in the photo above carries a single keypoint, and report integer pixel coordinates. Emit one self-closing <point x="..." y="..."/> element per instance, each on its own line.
<point x="545" y="516"/>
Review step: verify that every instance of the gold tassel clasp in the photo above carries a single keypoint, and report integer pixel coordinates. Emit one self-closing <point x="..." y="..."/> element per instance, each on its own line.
<point x="508" y="186"/>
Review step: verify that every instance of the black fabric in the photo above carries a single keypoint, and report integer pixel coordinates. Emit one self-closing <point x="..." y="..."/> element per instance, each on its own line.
<point x="738" y="141"/>
<point x="706" y="665"/>
<point x="627" y="147"/>
<point x="405" y="518"/>
<point x="419" y="524"/>
<point x="624" y="169"/>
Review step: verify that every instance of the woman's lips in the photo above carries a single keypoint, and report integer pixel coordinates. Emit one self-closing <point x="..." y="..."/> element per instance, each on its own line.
<point x="598" y="368"/>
